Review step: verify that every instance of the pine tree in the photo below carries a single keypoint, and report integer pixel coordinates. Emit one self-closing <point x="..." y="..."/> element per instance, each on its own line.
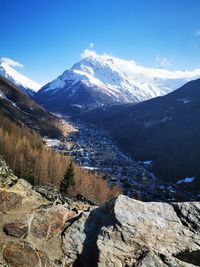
<point x="68" y="179"/>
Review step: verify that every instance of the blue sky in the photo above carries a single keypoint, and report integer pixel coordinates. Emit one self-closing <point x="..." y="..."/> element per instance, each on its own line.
<point x="48" y="36"/>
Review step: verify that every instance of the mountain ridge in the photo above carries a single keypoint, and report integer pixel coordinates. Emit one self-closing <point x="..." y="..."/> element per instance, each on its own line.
<point x="106" y="80"/>
<point x="21" y="108"/>
<point x="25" y="84"/>
<point x="164" y="129"/>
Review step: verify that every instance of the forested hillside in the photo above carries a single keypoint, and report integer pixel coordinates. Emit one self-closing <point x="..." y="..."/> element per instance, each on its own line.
<point x="30" y="159"/>
<point x="19" y="107"/>
<point x="165" y="130"/>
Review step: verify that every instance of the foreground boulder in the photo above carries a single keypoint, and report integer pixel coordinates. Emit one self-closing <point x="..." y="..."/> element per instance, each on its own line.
<point x="126" y="232"/>
<point x="53" y="232"/>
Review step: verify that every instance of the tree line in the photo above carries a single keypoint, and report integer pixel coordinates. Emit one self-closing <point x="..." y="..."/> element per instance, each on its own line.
<point x="30" y="159"/>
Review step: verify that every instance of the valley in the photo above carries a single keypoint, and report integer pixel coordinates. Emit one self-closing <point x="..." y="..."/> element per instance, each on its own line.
<point x="92" y="148"/>
<point x="141" y="131"/>
<point x="100" y="133"/>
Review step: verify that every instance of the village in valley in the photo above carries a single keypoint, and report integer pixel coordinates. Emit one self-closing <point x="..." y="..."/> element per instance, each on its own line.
<point x="93" y="149"/>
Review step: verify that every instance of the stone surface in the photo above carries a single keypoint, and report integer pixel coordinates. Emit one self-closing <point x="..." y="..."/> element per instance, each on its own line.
<point x="49" y="191"/>
<point x="7" y="178"/>
<point x="126" y="232"/>
<point x="153" y="227"/>
<point x="75" y="231"/>
<point x="16" y="229"/>
<point x="26" y="191"/>
<point x="22" y="254"/>
<point x="9" y="200"/>
<point x="46" y="222"/>
<point x="35" y="231"/>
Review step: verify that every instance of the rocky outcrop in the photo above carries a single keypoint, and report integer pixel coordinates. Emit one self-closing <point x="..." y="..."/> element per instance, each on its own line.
<point x="22" y="254"/>
<point x="126" y="232"/>
<point x="37" y="232"/>
<point x="7" y="178"/>
<point x="9" y="200"/>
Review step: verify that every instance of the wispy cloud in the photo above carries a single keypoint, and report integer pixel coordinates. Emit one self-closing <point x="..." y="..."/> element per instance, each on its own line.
<point x="130" y="67"/>
<point x="91" y="45"/>
<point x="88" y="53"/>
<point x="197" y="33"/>
<point x="163" y="61"/>
<point x="10" y="62"/>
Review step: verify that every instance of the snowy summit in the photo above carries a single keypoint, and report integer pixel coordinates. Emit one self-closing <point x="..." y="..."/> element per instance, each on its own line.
<point x="103" y="79"/>
<point x="7" y="70"/>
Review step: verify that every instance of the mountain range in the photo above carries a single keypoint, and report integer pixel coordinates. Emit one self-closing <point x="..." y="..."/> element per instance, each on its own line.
<point x="139" y="106"/>
<point x="162" y="132"/>
<point x="99" y="80"/>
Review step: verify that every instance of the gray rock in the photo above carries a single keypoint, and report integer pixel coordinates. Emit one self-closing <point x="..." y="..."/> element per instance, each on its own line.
<point x="122" y="232"/>
<point x="7" y="178"/>
<point x="48" y="191"/>
<point x="126" y="232"/>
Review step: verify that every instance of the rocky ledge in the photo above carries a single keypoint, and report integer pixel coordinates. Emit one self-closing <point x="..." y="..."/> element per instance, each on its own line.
<point x="36" y="231"/>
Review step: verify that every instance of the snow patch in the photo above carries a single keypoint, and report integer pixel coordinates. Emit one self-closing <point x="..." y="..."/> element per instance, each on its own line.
<point x="186" y="180"/>
<point x="147" y="162"/>
<point x="171" y="189"/>
<point x="76" y="105"/>
<point x="51" y="142"/>
<point x="2" y="95"/>
<point x="90" y="168"/>
<point x="57" y="83"/>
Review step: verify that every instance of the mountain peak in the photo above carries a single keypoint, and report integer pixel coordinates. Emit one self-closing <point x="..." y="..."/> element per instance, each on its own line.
<point x="101" y="60"/>
<point x="101" y="79"/>
<point x="7" y="70"/>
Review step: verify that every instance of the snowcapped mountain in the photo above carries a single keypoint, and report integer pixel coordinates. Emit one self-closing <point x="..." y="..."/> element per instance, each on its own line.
<point x="106" y="80"/>
<point x="22" y="82"/>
